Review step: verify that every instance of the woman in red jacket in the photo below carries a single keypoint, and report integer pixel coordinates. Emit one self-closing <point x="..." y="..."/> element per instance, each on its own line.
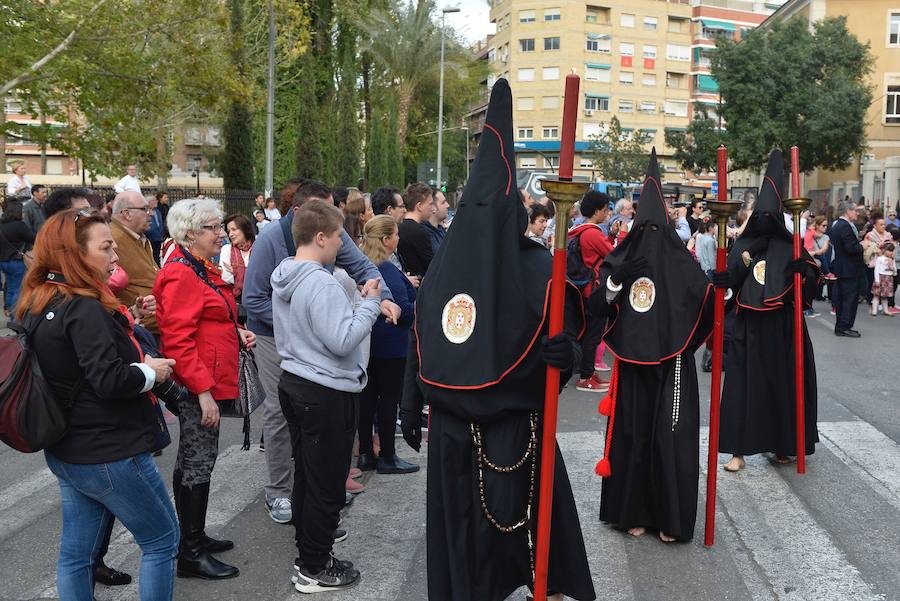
<point x="195" y="310"/>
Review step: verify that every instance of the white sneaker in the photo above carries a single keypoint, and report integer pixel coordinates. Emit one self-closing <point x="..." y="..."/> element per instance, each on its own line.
<point x="280" y="510"/>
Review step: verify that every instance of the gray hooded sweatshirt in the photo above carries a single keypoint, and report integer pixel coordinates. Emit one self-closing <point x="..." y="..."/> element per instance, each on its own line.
<point x="318" y="332"/>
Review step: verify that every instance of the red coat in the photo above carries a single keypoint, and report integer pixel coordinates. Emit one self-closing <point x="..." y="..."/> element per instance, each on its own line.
<point x="595" y="245"/>
<point x="196" y="329"/>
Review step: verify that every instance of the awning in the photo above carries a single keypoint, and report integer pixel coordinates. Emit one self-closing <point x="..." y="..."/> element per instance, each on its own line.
<point x="598" y="36"/>
<point x="712" y="24"/>
<point x="680" y="129"/>
<point x="596" y="66"/>
<point x="590" y="95"/>
<point x="707" y="83"/>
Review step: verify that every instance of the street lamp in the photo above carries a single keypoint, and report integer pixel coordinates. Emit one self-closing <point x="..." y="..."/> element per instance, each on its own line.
<point x="444" y="12"/>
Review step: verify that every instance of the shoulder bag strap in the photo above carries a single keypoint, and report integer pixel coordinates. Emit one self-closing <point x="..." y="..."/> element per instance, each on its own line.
<point x="288" y="236"/>
<point x="203" y="276"/>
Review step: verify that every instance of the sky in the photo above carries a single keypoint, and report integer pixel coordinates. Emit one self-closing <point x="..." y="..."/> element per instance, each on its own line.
<point x="472" y="22"/>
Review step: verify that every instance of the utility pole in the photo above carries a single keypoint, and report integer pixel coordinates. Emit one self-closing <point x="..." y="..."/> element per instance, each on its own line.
<point x="270" y="107"/>
<point x="444" y="13"/>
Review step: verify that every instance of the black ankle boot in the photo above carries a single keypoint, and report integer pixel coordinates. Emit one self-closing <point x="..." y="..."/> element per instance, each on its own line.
<point x="213" y="545"/>
<point x="194" y="559"/>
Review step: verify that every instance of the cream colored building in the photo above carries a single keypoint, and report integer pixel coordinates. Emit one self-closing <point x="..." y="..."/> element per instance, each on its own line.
<point x="634" y="59"/>
<point x="877" y="176"/>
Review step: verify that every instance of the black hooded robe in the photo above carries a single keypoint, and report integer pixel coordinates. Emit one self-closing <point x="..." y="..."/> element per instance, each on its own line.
<point x="759" y="395"/>
<point x="476" y="361"/>
<point x="653" y="455"/>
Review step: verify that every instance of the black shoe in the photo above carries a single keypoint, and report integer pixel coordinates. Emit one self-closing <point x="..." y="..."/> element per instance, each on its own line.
<point x="367" y="462"/>
<point x="333" y="576"/>
<point x="340" y="535"/>
<point x="298" y="563"/>
<point x="395" y="465"/>
<point x="852" y="331"/>
<point x="847" y="333"/>
<point x="214" y="545"/>
<point x="194" y="559"/>
<point x="109" y="576"/>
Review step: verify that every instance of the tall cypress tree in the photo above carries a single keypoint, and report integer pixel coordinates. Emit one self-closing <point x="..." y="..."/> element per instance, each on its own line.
<point x="394" y="156"/>
<point x="308" y="142"/>
<point x="237" y="156"/>
<point x="378" y="167"/>
<point x="347" y="138"/>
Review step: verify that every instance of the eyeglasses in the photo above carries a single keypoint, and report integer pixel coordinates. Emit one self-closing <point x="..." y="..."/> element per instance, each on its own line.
<point x="80" y="214"/>
<point x="214" y="228"/>
<point x="146" y="209"/>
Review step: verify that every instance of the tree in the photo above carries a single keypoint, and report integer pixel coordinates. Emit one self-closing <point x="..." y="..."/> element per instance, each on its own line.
<point x="348" y="143"/>
<point x="784" y="85"/>
<point x="379" y="170"/>
<point x="237" y="158"/>
<point x="619" y="155"/>
<point x="393" y="154"/>
<point x="695" y="149"/>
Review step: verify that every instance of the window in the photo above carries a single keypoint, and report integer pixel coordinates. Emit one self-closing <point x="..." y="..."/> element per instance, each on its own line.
<point x="193" y="136"/>
<point x="54" y="166"/>
<point x="550" y="102"/>
<point x="677" y="52"/>
<point x="551" y="14"/>
<point x="551" y="161"/>
<point x="892" y="107"/>
<point x="650" y="23"/>
<point x="626" y="106"/>
<point x="711" y="33"/>
<point x="649" y="52"/>
<point x="526" y="133"/>
<point x="675" y="80"/>
<point x="549" y="73"/>
<point x="626" y="77"/>
<point x="527" y="162"/>
<point x="677" y="25"/>
<point x="649" y="80"/>
<point x="626" y="20"/>
<point x="592" y="130"/>
<point x="550" y="132"/>
<point x="492" y="55"/>
<point x="596" y="103"/>
<point x="597" y="14"/>
<point x="598" y="45"/>
<point x="526" y="74"/>
<point x="504" y="53"/>
<point x="551" y="43"/>
<point x="213" y="136"/>
<point x="894" y="29"/>
<point x="526" y="16"/>
<point x="526" y="104"/>
<point x="597" y="73"/>
<point x="13" y="106"/>
<point x="526" y="45"/>
<point x="626" y="49"/>
<point x="676" y="108"/>
<point x="647" y="107"/>
<point x="586" y="163"/>
<point x="648" y="135"/>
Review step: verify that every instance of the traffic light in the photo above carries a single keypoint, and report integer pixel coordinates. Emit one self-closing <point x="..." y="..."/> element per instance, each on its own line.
<point x="444" y="188"/>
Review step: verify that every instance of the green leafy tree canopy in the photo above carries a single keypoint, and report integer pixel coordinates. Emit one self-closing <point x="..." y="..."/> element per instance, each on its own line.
<point x="619" y="155"/>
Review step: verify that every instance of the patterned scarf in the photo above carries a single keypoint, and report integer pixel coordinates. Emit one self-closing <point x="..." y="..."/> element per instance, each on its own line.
<point x="238" y="268"/>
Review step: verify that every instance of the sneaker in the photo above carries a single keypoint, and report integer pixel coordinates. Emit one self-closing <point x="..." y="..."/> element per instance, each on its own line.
<point x="346" y="565"/>
<point x="893" y="310"/>
<point x="279" y="509"/>
<point x="353" y="486"/>
<point x="592" y="384"/>
<point x="334" y="576"/>
<point x="833" y="312"/>
<point x="602" y="366"/>
<point x="340" y="535"/>
<point x="811" y="314"/>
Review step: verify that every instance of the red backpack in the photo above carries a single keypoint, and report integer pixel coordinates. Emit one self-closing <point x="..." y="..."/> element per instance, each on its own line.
<point x="31" y="417"/>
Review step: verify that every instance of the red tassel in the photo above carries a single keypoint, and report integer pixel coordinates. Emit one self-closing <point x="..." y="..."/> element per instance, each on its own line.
<point x="605" y="407"/>
<point x="603" y="468"/>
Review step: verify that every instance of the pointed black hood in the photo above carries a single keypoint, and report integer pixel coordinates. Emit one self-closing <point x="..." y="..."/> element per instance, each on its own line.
<point x="657" y="315"/>
<point x="483" y="302"/>
<point x="768" y="284"/>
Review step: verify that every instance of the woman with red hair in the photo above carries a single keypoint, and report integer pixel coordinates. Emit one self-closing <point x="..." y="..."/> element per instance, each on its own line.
<point x="84" y="343"/>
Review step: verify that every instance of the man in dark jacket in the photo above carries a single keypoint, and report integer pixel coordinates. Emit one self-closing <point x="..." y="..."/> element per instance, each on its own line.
<point x="415" y="249"/>
<point x="848" y="267"/>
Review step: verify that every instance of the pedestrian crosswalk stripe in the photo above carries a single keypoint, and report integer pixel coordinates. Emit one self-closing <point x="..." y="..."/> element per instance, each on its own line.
<point x="15" y="515"/>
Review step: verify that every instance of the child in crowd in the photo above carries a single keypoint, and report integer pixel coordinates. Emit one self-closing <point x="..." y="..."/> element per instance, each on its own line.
<point x="261" y="221"/>
<point x="318" y="334"/>
<point x="883" y="288"/>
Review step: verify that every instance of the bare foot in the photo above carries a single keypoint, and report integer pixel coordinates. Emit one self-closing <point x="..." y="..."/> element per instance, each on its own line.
<point x="665" y="537"/>
<point x="556" y="597"/>
<point x="736" y="464"/>
<point x="636" y="531"/>
<point x="782" y="459"/>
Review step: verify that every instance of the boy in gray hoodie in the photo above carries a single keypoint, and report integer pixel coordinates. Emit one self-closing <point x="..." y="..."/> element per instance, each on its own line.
<point x="318" y="334"/>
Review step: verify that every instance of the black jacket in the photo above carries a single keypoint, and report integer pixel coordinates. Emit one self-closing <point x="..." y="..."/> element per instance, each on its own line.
<point x="848" y="252"/>
<point x="414" y="248"/>
<point x="81" y="346"/>
<point x="15" y="237"/>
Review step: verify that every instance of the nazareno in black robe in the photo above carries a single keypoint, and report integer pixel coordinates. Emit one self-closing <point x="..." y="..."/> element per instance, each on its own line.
<point x="475" y="360"/>
<point x="759" y="395"/>
<point x="651" y="465"/>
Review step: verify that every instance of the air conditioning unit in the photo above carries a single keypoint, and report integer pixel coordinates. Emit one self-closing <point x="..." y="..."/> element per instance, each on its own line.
<point x="588" y="112"/>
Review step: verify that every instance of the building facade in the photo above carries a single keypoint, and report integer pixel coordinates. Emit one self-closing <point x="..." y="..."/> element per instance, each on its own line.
<point x="875" y="178"/>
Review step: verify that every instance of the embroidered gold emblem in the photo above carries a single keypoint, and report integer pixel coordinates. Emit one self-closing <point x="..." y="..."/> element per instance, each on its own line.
<point x="458" y="319"/>
<point x="759" y="272"/>
<point x="642" y="294"/>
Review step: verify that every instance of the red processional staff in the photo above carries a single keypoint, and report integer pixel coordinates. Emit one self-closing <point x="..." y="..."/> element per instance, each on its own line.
<point x="564" y="193"/>
<point x="797" y="205"/>
<point x="722" y="209"/>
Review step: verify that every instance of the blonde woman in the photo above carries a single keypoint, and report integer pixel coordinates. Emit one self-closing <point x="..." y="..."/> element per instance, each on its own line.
<point x="18" y="185"/>
<point x="387" y="360"/>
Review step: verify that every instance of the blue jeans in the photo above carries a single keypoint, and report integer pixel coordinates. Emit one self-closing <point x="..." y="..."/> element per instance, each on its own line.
<point x="15" y="271"/>
<point x="132" y="490"/>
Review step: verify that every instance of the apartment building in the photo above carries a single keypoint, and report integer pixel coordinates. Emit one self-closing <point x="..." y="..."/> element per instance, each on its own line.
<point x="634" y="58"/>
<point x="876" y="177"/>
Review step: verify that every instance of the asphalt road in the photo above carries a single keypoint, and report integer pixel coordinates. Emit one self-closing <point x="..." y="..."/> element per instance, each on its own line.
<point x="830" y="535"/>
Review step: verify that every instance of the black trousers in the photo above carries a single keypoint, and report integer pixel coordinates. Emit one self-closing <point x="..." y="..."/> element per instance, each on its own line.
<point x="846" y="297"/>
<point x="322" y="422"/>
<point x="593" y="334"/>
<point x="382" y="394"/>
